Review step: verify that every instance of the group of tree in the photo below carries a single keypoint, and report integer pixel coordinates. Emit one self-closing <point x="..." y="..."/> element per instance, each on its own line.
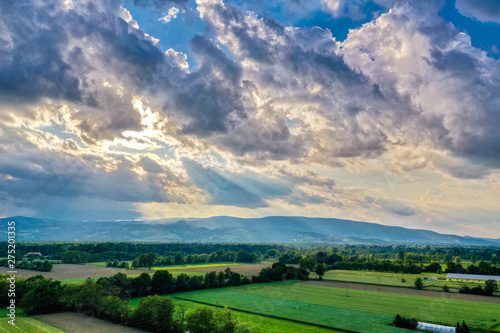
<point x="482" y="268"/>
<point x="152" y="259"/>
<point x="490" y="287"/>
<point x="35" y="265"/>
<point x="462" y="328"/>
<point x="118" y="264"/>
<point x="279" y="271"/>
<point x="403" y="322"/>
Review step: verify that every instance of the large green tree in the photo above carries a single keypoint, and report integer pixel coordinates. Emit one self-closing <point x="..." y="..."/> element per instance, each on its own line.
<point x="490" y="287"/>
<point x="155" y="313"/>
<point x="114" y="309"/>
<point x="163" y="282"/>
<point x="201" y="320"/>
<point x="320" y="269"/>
<point x="44" y="297"/>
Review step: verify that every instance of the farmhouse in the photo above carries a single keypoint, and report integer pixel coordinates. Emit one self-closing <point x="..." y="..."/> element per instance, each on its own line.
<point x="471" y="277"/>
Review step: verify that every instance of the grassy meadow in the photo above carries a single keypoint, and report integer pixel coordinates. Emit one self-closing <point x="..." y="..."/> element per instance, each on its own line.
<point x="393" y="279"/>
<point x="361" y="311"/>
<point x="24" y="324"/>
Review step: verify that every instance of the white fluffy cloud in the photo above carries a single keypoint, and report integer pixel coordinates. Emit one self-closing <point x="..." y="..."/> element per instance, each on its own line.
<point x="170" y="15"/>
<point x="482" y="10"/>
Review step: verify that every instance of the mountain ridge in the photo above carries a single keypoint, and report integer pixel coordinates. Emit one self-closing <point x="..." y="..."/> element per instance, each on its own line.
<point x="270" y="229"/>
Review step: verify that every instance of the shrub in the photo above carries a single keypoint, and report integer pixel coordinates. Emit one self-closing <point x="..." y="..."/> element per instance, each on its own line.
<point x="403" y="322"/>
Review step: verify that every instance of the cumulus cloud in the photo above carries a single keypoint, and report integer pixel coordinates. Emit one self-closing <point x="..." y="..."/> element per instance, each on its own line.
<point x="482" y="10"/>
<point x="170" y="15"/>
<point x="446" y="81"/>
<point x="114" y="116"/>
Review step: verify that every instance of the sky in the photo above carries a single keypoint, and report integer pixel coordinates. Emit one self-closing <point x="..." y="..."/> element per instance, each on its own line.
<point x="383" y="111"/>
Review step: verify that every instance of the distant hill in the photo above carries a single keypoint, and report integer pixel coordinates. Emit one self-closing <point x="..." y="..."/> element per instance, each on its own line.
<point x="272" y="229"/>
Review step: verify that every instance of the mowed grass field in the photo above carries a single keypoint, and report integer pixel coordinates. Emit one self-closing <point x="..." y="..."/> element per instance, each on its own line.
<point x="27" y="325"/>
<point x="393" y="279"/>
<point x="24" y="324"/>
<point x="264" y="324"/>
<point x="362" y="311"/>
<point x="241" y="268"/>
<point x="207" y="266"/>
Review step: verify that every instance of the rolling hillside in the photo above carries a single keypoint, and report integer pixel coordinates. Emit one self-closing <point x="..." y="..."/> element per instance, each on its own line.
<point x="275" y="229"/>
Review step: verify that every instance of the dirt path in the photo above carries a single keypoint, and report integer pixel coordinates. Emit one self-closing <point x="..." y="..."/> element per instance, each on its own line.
<point x="81" y="323"/>
<point x="68" y="271"/>
<point x="405" y="291"/>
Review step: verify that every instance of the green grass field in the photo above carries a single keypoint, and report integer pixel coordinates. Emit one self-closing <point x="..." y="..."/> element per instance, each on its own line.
<point x="393" y="279"/>
<point x="361" y="311"/>
<point x="27" y="325"/>
<point x="186" y="266"/>
<point x="24" y="324"/>
<point x="264" y="324"/>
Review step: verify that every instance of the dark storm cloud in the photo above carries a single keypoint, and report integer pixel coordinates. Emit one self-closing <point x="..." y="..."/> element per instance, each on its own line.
<point x="71" y="54"/>
<point x="31" y="61"/>
<point x="60" y="175"/>
<point x="211" y="96"/>
<point x="455" y="62"/>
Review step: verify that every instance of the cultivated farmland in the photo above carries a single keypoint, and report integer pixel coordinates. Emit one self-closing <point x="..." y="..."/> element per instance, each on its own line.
<point x="81" y="323"/>
<point x="362" y="311"/>
<point x="69" y="271"/>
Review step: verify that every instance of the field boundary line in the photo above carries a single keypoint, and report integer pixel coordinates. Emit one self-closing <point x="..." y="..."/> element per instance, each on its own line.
<point x="272" y="316"/>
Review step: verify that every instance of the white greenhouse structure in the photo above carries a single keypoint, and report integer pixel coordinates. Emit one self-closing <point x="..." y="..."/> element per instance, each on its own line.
<point x="435" y="328"/>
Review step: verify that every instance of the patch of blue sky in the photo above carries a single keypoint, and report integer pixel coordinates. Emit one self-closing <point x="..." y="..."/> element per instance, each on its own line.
<point x="64" y="135"/>
<point x="484" y="35"/>
<point x="174" y="34"/>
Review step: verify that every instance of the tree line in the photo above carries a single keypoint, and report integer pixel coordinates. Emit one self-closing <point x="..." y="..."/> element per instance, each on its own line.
<point x="35" y="265"/>
<point x="152" y="259"/>
<point x="334" y="261"/>
<point x="103" y="251"/>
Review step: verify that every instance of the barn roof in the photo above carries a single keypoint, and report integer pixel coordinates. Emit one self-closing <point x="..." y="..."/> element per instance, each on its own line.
<point x="472" y="277"/>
